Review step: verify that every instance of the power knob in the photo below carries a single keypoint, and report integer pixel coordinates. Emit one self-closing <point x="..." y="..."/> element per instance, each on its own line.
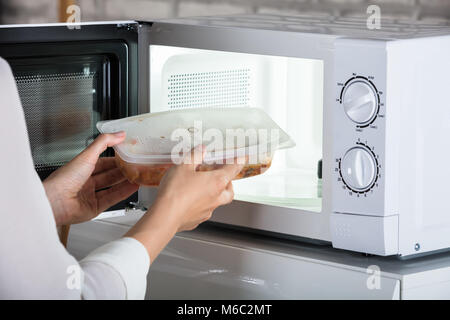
<point x="358" y="169"/>
<point x="360" y="102"/>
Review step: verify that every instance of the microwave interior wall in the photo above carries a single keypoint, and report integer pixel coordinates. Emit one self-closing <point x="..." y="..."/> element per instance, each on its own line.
<point x="290" y="90"/>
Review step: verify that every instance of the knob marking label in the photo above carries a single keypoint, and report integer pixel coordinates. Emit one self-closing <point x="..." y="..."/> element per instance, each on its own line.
<point x="373" y="184"/>
<point x="375" y="90"/>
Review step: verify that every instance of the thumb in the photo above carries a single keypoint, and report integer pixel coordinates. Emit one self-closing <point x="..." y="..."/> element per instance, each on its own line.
<point x="195" y="157"/>
<point x="84" y="164"/>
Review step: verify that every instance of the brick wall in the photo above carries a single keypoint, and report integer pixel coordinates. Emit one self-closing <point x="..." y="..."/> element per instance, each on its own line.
<point x="26" y="11"/>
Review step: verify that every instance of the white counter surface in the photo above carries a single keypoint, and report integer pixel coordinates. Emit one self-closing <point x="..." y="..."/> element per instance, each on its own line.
<point x="214" y="262"/>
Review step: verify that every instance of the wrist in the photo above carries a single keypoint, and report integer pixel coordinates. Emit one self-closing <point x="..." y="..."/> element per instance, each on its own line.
<point x="155" y="229"/>
<point x="164" y="216"/>
<point x="165" y="209"/>
<point x="60" y="216"/>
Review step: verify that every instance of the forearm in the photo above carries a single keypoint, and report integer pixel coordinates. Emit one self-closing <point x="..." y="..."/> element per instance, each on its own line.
<point x="155" y="230"/>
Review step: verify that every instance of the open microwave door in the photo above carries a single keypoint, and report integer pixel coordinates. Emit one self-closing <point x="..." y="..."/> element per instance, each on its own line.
<point x="192" y="66"/>
<point x="68" y="79"/>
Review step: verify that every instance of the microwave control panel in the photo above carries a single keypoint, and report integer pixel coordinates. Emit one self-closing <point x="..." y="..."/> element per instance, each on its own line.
<point x="359" y="113"/>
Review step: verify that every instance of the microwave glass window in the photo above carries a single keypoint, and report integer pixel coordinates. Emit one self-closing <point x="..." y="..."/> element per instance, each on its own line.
<point x="290" y="90"/>
<point x="62" y="102"/>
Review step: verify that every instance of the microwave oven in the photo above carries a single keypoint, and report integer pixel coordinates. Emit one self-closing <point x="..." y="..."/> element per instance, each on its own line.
<point x="368" y="110"/>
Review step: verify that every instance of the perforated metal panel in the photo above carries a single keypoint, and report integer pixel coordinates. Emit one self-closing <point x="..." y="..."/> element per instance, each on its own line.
<point x="226" y="88"/>
<point x="59" y="111"/>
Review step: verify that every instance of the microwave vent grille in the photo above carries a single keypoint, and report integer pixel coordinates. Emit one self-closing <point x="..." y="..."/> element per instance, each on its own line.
<point x="224" y="88"/>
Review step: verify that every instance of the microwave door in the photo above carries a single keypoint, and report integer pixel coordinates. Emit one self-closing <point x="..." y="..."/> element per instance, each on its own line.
<point x="68" y="80"/>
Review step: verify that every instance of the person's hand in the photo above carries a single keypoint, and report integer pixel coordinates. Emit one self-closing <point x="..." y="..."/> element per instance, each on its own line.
<point x="185" y="199"/>
<point x="87" y="185"/>
<point x="193" y="196"/>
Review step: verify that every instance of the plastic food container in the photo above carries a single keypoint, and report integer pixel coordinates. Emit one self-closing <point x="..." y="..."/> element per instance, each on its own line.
<point x="157" y="141"/>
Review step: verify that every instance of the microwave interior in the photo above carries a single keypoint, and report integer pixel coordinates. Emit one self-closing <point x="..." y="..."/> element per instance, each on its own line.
<point x="289" y="89"/>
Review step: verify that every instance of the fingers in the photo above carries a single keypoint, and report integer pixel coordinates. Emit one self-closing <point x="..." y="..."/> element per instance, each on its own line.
<point x="104" y="164"/>
<point x="108" y="178"/>
<point x="229" y="171"/>
<point x="109" y="197"/>
<point x="82" y="166"/>
<point x="227" y="195"/>
<point x="96" y="148"/>
<point x="195" y="157"/>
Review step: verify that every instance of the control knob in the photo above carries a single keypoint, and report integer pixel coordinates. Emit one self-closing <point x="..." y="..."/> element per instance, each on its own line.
<point x="358" y="169"/>
<point x="360" y="102"/>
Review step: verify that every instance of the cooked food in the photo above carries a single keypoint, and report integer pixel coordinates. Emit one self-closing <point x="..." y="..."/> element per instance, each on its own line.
<point x="152" y="174"/>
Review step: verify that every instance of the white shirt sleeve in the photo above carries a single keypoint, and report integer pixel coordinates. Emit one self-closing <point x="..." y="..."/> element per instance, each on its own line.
<point x="128" y="257"/>
<point x="34" y="264"/>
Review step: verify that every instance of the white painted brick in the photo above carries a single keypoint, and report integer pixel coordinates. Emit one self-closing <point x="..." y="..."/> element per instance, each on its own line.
<point x="190" y="8"/>
<point x="90" y="9"/>
<point x="340" y="2"/>
<point x="37" y="5"/>
<point x="25" y="18"/>
<point x="435" y="20"/>
<point x="22" y="11"/>
<point x="41" y="19"/>
<point x="364" y="17"/>
<point x="274" y="10"/>
<point x="410" y="3"/>
<point x="435" y="3"/>
<point x="387" y="16"/>
<point x="26" y="11"/>
<point x="292" y="11"/>
<point x="138" y="9"/>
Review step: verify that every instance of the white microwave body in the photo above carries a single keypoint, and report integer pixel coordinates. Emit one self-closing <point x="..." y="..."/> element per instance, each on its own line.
<point x="372" y="105"/>
<point x="379" y="98"/>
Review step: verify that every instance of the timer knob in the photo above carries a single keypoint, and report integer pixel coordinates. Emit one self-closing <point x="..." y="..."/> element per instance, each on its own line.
<point x="360" y="102"/>
<point x="358" y="168"/>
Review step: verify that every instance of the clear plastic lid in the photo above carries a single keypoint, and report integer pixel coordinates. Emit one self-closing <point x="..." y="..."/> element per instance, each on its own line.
<point x="164" y="137"/>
